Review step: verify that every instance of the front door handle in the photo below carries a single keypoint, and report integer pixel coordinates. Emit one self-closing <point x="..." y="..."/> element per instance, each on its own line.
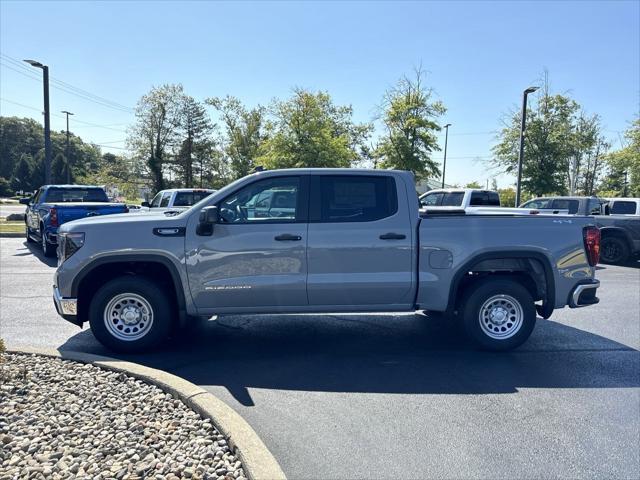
<point x="287" y="237"/>
<point x="392" y="236"/>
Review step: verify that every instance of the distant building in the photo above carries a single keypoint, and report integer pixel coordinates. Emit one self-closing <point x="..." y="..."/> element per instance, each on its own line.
<point x="430" y="184"/>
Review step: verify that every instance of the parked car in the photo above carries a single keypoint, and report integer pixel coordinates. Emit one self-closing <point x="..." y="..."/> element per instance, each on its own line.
<point x="620" y="233"/>
<point x="472" y="201"/>
<point x="177" y="199"/>
<point x="354" y="241"/>
<point x="624" y="206"/>
<point x="53" y="205"/>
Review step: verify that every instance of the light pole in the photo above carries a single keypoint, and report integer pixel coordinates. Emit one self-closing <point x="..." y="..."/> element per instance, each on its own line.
<point x="47" y="125"/>
<point x="522" y="129"/>
<point x="444" y="163"/>
<point x="66" y="149"/>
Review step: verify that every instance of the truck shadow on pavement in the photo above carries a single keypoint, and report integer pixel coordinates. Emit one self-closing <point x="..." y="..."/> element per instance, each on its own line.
<point x="380" y="354"/>
<point x="35" y="250"/>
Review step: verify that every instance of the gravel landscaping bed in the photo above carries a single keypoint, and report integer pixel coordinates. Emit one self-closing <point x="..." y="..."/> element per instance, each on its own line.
<point x="63" y="419"/>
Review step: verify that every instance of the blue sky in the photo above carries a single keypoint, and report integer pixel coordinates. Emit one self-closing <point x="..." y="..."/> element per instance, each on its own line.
<point x="479" y="55"/>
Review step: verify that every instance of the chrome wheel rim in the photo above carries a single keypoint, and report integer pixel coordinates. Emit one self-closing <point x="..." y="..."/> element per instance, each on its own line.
<point x="500" y="317"/>
<point x="44" y="241"/>
<point x="128" y="316"/>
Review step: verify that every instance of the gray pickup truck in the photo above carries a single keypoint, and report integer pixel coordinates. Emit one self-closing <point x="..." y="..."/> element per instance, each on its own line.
<point x="329" y="240"/>
<point x="620" y="232"/>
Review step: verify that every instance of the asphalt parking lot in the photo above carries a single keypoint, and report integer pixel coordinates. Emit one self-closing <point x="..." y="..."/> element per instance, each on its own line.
<point x="397" y="396"/>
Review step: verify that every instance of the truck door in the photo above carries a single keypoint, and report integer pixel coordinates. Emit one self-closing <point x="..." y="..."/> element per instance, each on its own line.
<point x="256" y="257"/>
<point x="360" y="241"/>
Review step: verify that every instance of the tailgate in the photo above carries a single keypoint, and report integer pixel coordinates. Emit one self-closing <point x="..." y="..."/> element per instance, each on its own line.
<point x="67" y="213"/>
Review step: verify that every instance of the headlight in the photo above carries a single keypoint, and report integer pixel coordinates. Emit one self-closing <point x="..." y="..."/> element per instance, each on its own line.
<point x="68" y="244"/>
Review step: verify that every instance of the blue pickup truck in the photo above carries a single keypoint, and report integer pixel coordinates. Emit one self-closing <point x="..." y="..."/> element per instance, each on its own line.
<point x="52" y="205"/>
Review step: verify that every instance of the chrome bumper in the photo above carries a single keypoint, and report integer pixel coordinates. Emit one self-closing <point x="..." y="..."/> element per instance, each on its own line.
<point x="65" y="306"/>
<point x="584" y="294"/>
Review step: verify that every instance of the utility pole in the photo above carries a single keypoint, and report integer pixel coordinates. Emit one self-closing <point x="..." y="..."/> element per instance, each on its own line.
<point x="47" y="123"/>
<point x="66" y="149"/>
<point x="626" y="183"/>
<point x="522" y="129"/>
<point x="444" y="163"/>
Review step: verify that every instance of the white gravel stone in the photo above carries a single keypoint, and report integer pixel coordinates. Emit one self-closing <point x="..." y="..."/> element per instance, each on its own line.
<point x="61" y="419"/>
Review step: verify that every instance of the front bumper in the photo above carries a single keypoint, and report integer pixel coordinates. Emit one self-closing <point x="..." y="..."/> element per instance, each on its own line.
<point x="584" y="294"/>
<point x="67" y="308"/>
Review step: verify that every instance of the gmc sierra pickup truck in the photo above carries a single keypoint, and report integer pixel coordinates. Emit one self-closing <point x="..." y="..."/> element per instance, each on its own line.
<point x="328" y="240"/>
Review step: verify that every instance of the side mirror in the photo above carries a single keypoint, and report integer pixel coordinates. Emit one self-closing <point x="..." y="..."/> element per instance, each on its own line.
<point x="144" y="204"/>
<point x="207" y="219"/>
<point x="25" y="201"/>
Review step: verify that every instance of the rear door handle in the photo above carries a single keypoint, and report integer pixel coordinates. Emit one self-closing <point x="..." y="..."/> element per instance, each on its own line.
<point x="392" y="236"/>
<point x="287" y="237"/>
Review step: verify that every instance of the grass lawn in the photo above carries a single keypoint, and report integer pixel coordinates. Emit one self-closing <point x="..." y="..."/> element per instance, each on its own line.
<point x="11" y="227"/>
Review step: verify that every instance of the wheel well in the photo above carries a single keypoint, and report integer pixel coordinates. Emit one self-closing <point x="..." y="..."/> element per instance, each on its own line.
<point x="528" y="272"/>
<point x="98" y="276"/>
<point x="614" y="232"/>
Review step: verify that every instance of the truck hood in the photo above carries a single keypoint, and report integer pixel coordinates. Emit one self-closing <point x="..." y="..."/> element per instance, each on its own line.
<point x="122" y="220"/>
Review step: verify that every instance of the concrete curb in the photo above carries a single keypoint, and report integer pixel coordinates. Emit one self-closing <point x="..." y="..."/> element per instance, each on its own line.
<point x="258" y="462"/>
<point x="11" y="234"/>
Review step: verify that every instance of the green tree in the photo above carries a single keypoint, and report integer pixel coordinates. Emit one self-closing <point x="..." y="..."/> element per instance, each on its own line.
<point x="5" y="187"/>
<point x="309" y="130"/>
<point x="473" y="184"/>
<point x="22" y="178"/>
<point x="155" y="133"/>
<point x="115" y="171"/>
<point x="623" y="165"/>
<point x="195" y="129"/>
<point x="242" y="137"/>
<point x="59" y="169"/>
<point x="18" y="136"/>
<point x="548" y="143"/>
<point x="410" y="115"/>
<point x="507" y="197"/>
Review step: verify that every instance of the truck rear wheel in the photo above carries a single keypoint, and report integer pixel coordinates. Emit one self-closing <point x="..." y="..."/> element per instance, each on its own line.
<point x="614" y="250"/>
<point x="130" y="314"/>
<point x="498" y="314"/>
<point x="48" y="249"/>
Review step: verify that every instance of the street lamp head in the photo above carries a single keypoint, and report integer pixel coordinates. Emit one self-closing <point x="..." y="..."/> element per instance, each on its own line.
<point x="68" y="113"/>
<point x="531" y="90"/>
<point x="447" y="125"/>
<point x="34" y="63"/>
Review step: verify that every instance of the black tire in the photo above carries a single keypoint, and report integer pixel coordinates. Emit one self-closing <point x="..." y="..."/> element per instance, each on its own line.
<point x="155" y="296"/>
<point x="27" y="234"/>
<point x="511" y="303"/>
<point x="48" y="249"/>
<point x="614" y="250"/>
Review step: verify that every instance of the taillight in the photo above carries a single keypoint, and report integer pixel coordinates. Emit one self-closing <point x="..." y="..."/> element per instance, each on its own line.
<point x="591" y="237"/>
<point x="53" y="217"/>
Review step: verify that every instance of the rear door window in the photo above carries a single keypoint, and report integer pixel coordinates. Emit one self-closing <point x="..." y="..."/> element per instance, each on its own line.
<point x="452" y="199"/>
<point x="186" y="199"/>
<point x="350" y="198"/>
<point x="565" y="204"/>
<point x="619" y="207"/>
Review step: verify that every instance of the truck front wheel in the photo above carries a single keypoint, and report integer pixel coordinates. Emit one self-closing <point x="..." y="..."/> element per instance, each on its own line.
<point x="130" y="314"/>
<point x="498" y="314"/>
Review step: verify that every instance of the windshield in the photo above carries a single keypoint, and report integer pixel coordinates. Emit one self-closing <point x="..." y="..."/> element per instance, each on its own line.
<point x="61" y="195"/>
